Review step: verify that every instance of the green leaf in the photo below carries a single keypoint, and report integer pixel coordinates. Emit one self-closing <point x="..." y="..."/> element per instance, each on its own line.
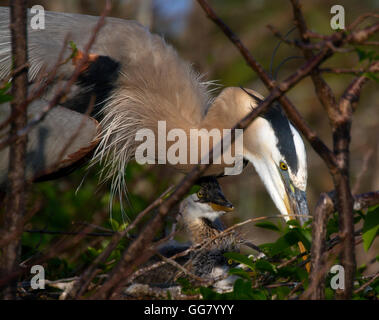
<point x="263" y="265"/>
<point x="5" y="98"/>
<point x="73" y="48"/>
<point x="123" y="226"/>
<point x="268" y="225"/>
<point x="195" y="188"/>
<point x="242" y="290"/>
<point x="282" y="292"/>
<point x="329" y="294"/>
<point x="296" y="235"/>
<point x="372" y="76"/>
<point x="209" y="294"/>
<point x="187" y="287"/>
<point x="239" y="272"/>
<point x="369" y="54"/>
<point x="370" y="227"/>
<point x="115" y="225"/>
<point x="240" y="258"/>
<point x="294" y="223"/>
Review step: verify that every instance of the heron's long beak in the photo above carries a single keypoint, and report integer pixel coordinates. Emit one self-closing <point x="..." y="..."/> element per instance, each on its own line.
<point x="296" y="204"/>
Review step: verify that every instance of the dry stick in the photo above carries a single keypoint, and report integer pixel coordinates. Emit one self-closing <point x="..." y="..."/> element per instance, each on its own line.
<point x="321" y="214"/>
<point x="181" y="268"/>
<point x="88" y="275"/>
<point x="371" y="43"/>
<point x="16" y="188"/>
<point x="343" y="71"/>
<point x="366" y="200"/>
<point x="72" y="233"/>
<point x="341" y="138"/>
<point x="341" y="141"/>
<point x="365" y="285"/>
<point x="360" y="36"/>
<point x="13" y="73"/>
<point x="364" y="167"/>
<point x="360" y="19"/>
<point x="334" y="252"/>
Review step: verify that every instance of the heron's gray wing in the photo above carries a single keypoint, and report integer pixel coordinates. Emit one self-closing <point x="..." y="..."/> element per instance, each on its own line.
<point x="61" y="140"/>
<point x="118" y="37"/>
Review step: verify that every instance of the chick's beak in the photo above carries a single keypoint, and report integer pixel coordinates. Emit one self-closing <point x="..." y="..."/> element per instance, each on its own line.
<point x="220" y="203"/>
<point x="218" y="207"/>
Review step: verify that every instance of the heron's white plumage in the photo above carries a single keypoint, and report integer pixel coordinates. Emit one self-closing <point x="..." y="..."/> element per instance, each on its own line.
<point x="300" y="178"/>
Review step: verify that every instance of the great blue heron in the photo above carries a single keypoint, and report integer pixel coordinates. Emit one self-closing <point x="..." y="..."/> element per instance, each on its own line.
<point x="138" y="79"/>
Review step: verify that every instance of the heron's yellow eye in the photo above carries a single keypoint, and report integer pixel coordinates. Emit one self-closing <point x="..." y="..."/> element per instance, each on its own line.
<point x="200" y="194"/>
<point x="283" y="166"/>
<point x="230" y="261"/>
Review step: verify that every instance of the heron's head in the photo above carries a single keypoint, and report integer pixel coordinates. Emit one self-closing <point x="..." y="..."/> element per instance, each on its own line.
<point x="276" y="150"/>
<point x="208" y="202"/>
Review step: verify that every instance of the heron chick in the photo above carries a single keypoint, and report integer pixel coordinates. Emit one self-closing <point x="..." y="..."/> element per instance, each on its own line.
<point x="199" y="214"/>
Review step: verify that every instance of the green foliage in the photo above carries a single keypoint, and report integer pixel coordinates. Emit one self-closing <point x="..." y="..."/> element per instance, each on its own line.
<point x="4" y="93"/>
<point x="370" y="227"/>
<point x="269" y="278"/>
<point x="74" y="49"/>
<point x="268" y="225"/>
<point x="370" y="55"/>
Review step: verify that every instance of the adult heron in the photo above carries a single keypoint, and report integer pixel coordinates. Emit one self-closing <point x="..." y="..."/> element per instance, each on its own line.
<point x="139" y="80"/>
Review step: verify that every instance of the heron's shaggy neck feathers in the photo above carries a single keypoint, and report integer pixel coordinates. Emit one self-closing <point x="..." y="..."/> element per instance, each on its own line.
<point x="155" y="85"/>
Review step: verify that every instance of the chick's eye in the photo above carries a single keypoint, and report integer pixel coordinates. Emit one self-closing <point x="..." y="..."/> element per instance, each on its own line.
<point x="200" y="194"/>
<point x="283" y="166"/>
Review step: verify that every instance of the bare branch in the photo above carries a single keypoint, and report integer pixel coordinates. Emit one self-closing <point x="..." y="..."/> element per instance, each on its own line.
<point x="16" y="188"/>
<point x="323" y="210"/>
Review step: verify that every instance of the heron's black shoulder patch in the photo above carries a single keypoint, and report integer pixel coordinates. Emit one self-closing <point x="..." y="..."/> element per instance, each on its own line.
<point x="99" y="79"/>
